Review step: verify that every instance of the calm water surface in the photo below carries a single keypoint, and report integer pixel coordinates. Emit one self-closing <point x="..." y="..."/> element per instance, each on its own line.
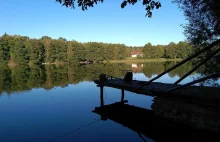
<point x="55" y="103"/>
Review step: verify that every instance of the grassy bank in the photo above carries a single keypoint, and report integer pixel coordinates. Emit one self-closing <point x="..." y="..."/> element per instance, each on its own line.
<point x="134" y="60"/>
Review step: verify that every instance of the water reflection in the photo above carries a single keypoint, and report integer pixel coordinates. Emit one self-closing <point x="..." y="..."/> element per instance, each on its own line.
<point x="170" y="119"/>
<point x="54" y="103"/>
<point x="24" y="78"/>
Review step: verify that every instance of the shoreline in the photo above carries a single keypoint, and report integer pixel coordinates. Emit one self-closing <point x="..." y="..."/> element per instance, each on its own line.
<point x="141" y="60"/>
<point x="109" y="61"/>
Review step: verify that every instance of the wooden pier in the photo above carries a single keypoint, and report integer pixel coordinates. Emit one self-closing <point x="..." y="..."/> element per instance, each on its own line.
<point x="193" y="93"/>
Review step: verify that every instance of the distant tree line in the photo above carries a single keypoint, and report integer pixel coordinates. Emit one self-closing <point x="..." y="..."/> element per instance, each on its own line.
<point x="23" y="50"/>
<point x="170" y="51"/>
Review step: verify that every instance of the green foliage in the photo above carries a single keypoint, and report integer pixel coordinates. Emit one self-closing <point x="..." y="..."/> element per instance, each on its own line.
<point x="4" y="49"/>
<point x="152" y="52"/>
<point x="35" y="51"/>
<point x="60" y="47"/>
<point x="170" y="51"/>
<point x="48" y="49"/>
<point x="180" y="50"/>
<point x="183" y="50"/>
<point x="84" y="4"/>
<point x="21" y="50"/>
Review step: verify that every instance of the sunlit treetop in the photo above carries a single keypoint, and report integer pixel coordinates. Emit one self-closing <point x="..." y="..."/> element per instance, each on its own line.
<point x="84" y="4"/>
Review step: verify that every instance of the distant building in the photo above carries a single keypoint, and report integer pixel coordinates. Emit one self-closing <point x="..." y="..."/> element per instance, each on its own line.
<point x="136" y="54"/>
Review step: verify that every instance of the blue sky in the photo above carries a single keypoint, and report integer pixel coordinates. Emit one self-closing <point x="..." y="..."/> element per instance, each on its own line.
<point x="105" y="22"/>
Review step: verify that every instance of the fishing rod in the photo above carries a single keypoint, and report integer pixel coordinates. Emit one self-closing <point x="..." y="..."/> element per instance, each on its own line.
<point x="75" y="130"/>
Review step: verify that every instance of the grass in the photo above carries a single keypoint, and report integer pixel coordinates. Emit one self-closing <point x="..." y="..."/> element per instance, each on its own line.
<point x="134" y="60"/>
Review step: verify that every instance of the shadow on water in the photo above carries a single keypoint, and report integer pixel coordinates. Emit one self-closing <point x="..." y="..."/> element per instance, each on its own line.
<point x="171" y="119"/>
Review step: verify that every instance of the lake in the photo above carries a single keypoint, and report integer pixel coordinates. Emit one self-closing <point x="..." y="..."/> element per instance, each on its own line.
<point x="54" y="103"/>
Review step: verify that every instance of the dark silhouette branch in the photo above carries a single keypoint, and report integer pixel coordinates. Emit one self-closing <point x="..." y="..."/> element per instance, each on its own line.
<point x="199" y="65"/>
<point x="216" y="75"/>
<point x="84" y="4"/>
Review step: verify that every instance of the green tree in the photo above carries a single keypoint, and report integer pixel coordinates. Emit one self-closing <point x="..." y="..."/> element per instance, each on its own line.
<point x="35" y="51"/>
<point x="122" y="51"/>
<point x="61" y="49"/>
<point x="183" y="49"/>
<point x="151" y="52"/>
<point x="22" y="50"/>
<point x="48" y="49"/>
<point x="79" y="51"/>
<point x="4" y="49"/>
<point x="71" y="47"/>
<point x="19" y="52"/>
<point x="171" y="51"/>
<point x="107" y="52"/>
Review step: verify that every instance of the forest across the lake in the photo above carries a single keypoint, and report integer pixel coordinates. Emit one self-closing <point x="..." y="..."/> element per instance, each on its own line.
<point x="21" y="50"/>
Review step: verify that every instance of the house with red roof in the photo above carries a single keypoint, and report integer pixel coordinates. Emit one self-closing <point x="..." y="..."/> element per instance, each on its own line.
<point x="136" y="54"/>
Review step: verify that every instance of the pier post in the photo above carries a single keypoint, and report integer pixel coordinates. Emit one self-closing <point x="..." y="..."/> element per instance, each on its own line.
<point x="122" y="95"/>
<point x="102" y="101"/>
<point x="101" y="96"/>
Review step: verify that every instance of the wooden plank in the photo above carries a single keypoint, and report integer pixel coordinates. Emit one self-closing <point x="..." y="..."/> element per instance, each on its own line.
<point x="158" y="89"/>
